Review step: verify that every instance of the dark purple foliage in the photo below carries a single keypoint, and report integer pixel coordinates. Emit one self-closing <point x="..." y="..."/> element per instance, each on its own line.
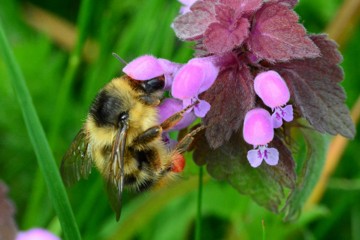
<point x="222" y="36"/>
<point x="192" y="25"/>
<point x="246" y="38"/>
<point x="264" y="184"/>
<point x="276" y="35"/>
<point x="288" y="3"/>
<point x="230" y="98"/>
<point x="265" y="36"/>
<point x="316" y="90"/>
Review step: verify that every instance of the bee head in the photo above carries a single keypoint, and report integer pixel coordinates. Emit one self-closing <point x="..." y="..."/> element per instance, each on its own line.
<point x="153" y="85"/>
<point x="109" y="110"/>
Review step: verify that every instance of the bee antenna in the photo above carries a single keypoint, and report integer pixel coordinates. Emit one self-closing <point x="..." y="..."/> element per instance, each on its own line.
<point x="119" y="58"/>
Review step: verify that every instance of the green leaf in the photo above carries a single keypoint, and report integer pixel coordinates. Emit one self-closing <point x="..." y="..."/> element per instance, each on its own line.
<point x="40" y="144"/>
<point x="316" y="148"/>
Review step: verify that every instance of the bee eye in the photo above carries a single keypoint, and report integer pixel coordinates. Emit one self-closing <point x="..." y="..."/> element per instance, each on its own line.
<point x="153" y="85"/>
<point x="123" y="116"/>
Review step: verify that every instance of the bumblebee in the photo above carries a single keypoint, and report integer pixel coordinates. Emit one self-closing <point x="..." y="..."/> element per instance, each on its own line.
<point x="123" y="139"/>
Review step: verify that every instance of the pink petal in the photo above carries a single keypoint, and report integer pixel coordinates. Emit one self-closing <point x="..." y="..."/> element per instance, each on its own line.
<point x="258" y="128"/>
<point x="276" y="120"/>
<point x="169" y="142"/>
<point x="36" y="234"/>
<point x="288" y="113"/>
<point x="187" y="81"/>
<point x="186" y="5"/>
<point x="272" y="89"/>
<point x="170" y="70"/>
<point x="271" y="156"/>
<point x="171" y="106"/>
<point x="144" y="68"/>
<point x="209" y="69"/>
<point x="254" y="157"/>
<point x="202" y="108"/>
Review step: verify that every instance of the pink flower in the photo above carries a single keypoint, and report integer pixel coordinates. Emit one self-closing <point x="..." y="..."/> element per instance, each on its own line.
<point x="186" y="5"/>
<point x="36" y="234"/>
<point x="147" y="67"/>
<point x="170" y="106"/>
<point x="273" y="91"/>
<point x="258" y="131"/>
<point x="192" y="79"/>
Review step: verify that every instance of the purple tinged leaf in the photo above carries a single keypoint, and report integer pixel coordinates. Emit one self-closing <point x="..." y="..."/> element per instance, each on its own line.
<point x="220" y="38"/>
<point x="277" y="36"/>
<point x="144" y="68"/>
<point x="284" y="172"/>
<point x="192" y="25"/>
<point x="243" y="6"/>
<point x="272" y="89"/>
<point x="312" y="165"/>
<point x="264" y="184"/>
<point x="317" y="94"/>
<point x="231" y="97"/>
<point x="288" y="3"/>
<point x="258" y="128"/>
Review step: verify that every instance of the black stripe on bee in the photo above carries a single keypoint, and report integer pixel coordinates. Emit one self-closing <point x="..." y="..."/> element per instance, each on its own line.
<point x="106" y="109"/>
<point x="146" y="185"/>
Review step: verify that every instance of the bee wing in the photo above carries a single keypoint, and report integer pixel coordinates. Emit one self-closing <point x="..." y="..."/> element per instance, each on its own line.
<point x="76" y="162"/>
<point x="115" y="178"/>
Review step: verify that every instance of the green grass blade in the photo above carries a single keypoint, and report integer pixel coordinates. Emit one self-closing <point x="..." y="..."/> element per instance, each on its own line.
<point x="86" y="10"/>
<point x="83" y="23"/>
<point x="198" y="227"/>
<point x="40" y="144"/>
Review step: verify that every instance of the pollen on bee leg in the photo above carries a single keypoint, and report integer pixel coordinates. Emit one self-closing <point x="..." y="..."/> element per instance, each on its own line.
<point x="178" y="162"/>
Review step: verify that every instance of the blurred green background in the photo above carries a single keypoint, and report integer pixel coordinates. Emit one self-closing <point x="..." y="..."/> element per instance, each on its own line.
<point x="63" y="78"/>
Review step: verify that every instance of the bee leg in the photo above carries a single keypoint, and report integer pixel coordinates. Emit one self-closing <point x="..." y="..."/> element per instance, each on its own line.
<point x="171" y="121"/>
<point x="186" y="141"/>
<point x="177" y="162"/>
<point x="154" y="132"/>
<point x="148" y="136"/>
<point x="149" y="100"/>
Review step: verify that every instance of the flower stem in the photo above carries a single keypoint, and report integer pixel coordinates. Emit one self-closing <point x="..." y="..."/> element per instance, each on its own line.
<point x="263" y="230"/>
<point x="198" y="228"/>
